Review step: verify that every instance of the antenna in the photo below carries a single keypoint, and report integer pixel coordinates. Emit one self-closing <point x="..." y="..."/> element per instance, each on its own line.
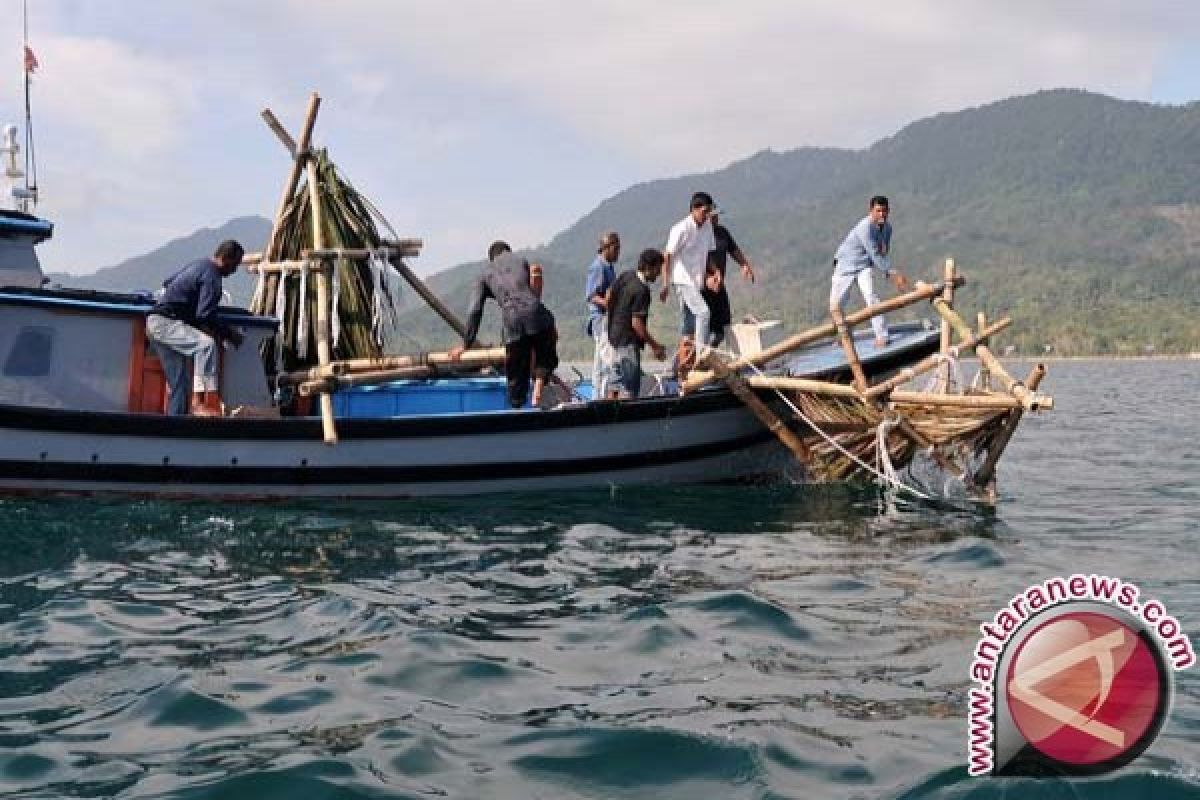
<point x="31" y="64"/>
<point x="21" y="198"/>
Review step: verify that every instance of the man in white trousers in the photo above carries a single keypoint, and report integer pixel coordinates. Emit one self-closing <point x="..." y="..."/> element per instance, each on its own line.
<point x="866" y="248"/>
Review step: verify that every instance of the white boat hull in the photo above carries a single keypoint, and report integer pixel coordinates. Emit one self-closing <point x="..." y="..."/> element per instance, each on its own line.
<point x="706" y="438"/>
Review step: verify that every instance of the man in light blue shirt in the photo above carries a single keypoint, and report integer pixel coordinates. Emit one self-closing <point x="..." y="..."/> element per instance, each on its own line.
<point x="867" y="247"/>
<point x="600" y="277"/>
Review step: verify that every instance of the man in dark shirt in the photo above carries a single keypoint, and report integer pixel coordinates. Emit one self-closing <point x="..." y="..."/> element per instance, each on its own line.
<point x="718" y="301"/>
<point x="184" y="324"/>
<point x="530" y="338"/>
<point x="628" y="311"/>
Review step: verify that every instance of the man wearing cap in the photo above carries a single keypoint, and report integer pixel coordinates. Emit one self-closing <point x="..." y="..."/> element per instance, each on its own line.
<point x="718" y="300"/>
<point x="600" y="276"/>
<point x="866" y="247"/>
<point x="686" y="257"/>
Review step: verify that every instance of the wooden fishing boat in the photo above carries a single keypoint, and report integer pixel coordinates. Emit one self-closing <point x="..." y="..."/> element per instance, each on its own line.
<point x="82" y="398"/>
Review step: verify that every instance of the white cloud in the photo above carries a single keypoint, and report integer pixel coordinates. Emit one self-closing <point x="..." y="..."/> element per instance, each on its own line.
<point x="690" y="85"/>
<point x="467" y="118"/>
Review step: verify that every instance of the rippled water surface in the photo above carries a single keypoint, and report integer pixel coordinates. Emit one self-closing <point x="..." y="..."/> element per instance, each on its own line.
<point x="704" y="642"/>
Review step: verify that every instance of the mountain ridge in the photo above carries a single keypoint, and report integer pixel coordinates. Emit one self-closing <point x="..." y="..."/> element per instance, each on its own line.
<point x="1077" y="213"/>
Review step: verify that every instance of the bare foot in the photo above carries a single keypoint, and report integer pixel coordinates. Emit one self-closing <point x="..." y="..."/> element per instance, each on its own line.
<point x="204" y="411"/>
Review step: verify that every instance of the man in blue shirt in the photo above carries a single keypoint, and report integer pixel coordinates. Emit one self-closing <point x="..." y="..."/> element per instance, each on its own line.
<point x="866" y="247"/>
<point x="184" y="324"/>
<point x="600" y="276"/>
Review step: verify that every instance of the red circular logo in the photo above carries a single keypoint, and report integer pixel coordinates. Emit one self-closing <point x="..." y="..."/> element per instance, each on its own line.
<point x="1087" y="690"/>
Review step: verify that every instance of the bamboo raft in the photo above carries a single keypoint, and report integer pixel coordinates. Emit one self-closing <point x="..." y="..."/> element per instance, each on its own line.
<point x="836" y="431"/>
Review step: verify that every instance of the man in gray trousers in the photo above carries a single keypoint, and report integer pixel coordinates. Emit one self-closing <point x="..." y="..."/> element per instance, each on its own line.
<point x="184" y="324"/>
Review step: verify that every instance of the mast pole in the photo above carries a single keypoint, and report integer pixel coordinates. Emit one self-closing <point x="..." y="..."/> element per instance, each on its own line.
<point x="30" y="157"/>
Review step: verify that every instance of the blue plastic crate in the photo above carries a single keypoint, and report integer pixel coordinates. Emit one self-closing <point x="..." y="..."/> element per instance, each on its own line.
<point x="420" y="398"/>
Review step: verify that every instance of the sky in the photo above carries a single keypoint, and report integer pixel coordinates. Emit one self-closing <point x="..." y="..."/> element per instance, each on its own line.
<point x="471" y="120"/>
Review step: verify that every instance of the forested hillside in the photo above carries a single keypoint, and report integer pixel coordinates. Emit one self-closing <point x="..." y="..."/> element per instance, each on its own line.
<point x="1077" y="213"/>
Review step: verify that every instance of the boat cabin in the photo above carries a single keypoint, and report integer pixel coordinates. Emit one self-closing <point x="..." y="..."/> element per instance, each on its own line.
<point x="86" y="350"/>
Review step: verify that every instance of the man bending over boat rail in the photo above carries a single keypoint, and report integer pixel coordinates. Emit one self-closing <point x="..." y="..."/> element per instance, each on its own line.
<point x="866" y="247"/>
<point x="184" y="324"/>
<point x="628" y="304"/>
<point x="529" y="330"/>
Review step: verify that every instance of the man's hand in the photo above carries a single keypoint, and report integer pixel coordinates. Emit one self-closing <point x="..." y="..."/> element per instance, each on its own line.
<point x="456" y="352"/>
<point x="900" y="280"/>
<point x="748" y="272"/>
<point x="659" y="351"/>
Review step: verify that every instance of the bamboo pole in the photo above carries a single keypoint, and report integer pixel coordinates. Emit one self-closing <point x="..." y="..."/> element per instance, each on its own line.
<point x="985" y="377"/>
<point x="742" y="391"/>
<point x="923" y="291"/>
<point x="948" y="273"/>
<point x="470" y="360"/>
<point x="326" y="385"/>
<point x="429" y="297"/>
<point x="273" y="123"/>
<point x="279" y="267"/>
<point x="404" y="247"/>
<point x="808" y="386"/>
<point x="802" y="385"/>
<point x="926" y="364"/>
<point x="1029" y="401"/>
<point x="299" y="151"/>
<point x="986" y="474"/>
<point x="323" y="331"/>
<point x="395" y="253"/>
<point x="847" y="342"/>
<point x="942" y="400"/>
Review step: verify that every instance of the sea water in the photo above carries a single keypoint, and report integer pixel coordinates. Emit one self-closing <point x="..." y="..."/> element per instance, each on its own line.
<point x="703" y="642"/>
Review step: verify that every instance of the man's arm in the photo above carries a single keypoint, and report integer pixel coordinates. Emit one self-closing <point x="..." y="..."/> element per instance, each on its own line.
<point x="592" y="293"/>
<point x="674" y="242"/>
<point x="474" y="317"/>
<point x="739" y="257"/>
<point x="643" y="333"/>
<point x="666" y="277"/>
<point x="868" y="237"/>
<point x="882" y="262"/>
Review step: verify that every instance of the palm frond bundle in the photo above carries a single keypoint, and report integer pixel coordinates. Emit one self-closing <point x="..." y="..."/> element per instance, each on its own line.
<point x="363" y="295"/>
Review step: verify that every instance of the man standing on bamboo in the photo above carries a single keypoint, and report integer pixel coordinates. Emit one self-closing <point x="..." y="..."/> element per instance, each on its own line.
<point x="686" y="255"/>
<point x="600" y="276"/>
<point x="529" y="331"/>
<point x="867" y="247"/>
<point x="184" y="324"/>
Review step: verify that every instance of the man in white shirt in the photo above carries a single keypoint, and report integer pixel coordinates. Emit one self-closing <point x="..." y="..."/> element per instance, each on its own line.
<point x="688" y="245"/>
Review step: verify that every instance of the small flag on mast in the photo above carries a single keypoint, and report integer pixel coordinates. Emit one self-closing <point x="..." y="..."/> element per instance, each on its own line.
<point x="31" y="62"/>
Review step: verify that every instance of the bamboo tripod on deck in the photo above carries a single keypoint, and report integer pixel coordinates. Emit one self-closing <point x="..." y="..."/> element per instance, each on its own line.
<point x="319" y="263"/>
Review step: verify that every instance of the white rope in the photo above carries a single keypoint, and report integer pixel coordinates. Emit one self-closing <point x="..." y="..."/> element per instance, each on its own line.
<point x="335" y="319"/>
<point x="277" y="312"/>
<point x="883" y="456"/>
<point x="954" y="373"/>
<point x="302" y="317"/>
<point x="890" y="480"/>
<point x="377" y="280"/>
